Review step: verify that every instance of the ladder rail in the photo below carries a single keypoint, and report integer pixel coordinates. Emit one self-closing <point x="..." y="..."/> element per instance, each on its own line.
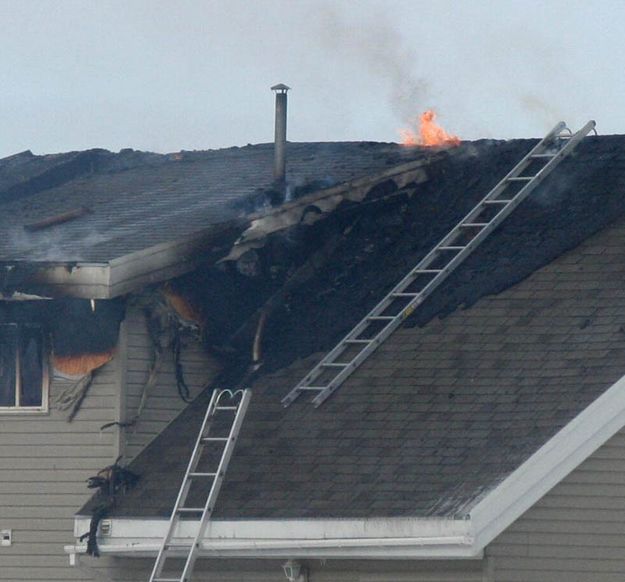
<point x="439" y="275"/>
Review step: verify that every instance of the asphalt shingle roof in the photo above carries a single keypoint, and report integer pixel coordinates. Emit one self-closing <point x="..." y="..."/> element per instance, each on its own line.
<point x="137" y="200"/>
<point x="534" y="332"/>
<point x="437" y="417"/>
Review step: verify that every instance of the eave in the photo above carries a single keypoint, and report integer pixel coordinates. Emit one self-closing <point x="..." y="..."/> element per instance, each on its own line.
<point x="374" y="538"/>
<point x="391" y="538"/>
<point x="107" y="280"/>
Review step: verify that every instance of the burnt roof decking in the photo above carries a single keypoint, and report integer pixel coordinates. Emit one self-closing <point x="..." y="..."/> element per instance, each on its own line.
<point x="436" y="418"/>
<point x="440" y="414"/>
<point x="137" y="200"/>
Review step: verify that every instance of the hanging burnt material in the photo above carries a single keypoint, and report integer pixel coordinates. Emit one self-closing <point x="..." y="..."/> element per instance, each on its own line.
<point x="169" y="315"/>
<point x="110" y="482"/>
<point x="72" y="397"/>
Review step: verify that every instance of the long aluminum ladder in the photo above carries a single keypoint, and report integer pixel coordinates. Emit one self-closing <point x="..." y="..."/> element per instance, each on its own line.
<point x="438" y="264"/>
<point x="236" y="408"/>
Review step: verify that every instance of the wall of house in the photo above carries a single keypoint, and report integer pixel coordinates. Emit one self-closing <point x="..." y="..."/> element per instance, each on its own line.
<point x="574" y="533"/>
<point x="163" y="403"/>
<point x="45" y="460"/>
<point x="237" y="570"/>
<point x="44" y="463"/>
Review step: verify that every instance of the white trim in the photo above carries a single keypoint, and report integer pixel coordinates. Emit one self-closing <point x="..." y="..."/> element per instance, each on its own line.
<point x="396" y="538"/>
<point x="17" y="408"/>
<point x="565" y="451"/>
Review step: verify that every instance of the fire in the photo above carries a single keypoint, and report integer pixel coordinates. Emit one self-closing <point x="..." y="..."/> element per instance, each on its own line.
<point x="430" y="133"/>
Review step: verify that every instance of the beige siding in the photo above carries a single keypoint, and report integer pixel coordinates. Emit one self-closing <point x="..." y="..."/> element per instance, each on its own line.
<point x="163" y="403"/>
<point x="236" y="570"/>
<point x="576" y="532"/>
<point x="44" y="463"/>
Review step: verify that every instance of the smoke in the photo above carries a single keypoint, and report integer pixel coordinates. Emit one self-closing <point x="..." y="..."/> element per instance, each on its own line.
<point x="378" y="47"/>
<point x="52" y="246"/>
<point x="540" y="109"/>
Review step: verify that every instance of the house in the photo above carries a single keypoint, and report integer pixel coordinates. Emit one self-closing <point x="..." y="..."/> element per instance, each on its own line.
<point x="483" y="441"/>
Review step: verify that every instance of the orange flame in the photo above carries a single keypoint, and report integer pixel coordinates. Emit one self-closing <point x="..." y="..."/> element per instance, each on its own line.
<point x="430" y="133"/>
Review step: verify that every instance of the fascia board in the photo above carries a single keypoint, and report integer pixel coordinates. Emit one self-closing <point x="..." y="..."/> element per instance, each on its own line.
<point x="132" y="271"/>
<point x="565" y="451"/>
<point x="158" y="263"/>
<point x="401" y="538"/>
<point x="75" y="279"/>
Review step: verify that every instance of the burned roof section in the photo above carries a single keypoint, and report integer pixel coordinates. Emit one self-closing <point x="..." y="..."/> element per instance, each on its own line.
<point x="330" y="275"/>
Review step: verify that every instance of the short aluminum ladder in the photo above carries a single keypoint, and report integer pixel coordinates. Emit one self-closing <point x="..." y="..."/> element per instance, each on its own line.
<point x="339" y="364"/>
<point x="225" y="402"/>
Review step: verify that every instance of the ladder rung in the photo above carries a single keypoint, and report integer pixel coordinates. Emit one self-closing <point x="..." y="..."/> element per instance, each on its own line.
<point x="202" y="475"/>
<point x="335" y="364"/>
<point x="475" y="224"/>
<point x="543" y="155"/>
<point x="521" y="178"/>
<point x="213" y="439"/>
<point x="402" y="295"/>
<point x="191" y="509"/>
<point x="451" y="248"/>
<point x="166" y="579"/>
<point x="225" y="408"/>
<point x="179" y="545"/>
<point x="428" y="271"/>
<point x="380" y="317"/>
<point x="312" y="387"/>
<point x="497" y="201"/>
<point x="361" y="341"/>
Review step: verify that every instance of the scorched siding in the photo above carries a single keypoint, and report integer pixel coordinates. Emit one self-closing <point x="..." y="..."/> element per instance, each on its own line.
<point x="574" y="533"/>
<point x="163" y="403"/>
<point x="44" y="464"/>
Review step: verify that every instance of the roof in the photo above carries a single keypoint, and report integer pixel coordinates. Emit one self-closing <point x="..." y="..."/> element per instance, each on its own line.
<point x="440" y="414"/>
<point x="437" y="417"/>
<point x="136" y="200"/>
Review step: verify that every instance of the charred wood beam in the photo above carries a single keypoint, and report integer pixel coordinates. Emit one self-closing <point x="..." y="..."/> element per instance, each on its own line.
<point x="57" y="219"/>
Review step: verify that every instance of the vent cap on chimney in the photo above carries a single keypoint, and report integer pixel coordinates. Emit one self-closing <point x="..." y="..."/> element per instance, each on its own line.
<point x="280" y="87"/>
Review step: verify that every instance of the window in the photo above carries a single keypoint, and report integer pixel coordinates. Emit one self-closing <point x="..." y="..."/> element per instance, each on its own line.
<point x="23" y="373"/>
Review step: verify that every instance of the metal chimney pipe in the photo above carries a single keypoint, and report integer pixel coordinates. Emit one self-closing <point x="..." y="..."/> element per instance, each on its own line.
<point x="279" y="160"/>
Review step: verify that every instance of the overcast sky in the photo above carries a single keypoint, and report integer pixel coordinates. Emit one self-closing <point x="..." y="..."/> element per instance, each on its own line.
<point x="169" y="75"/>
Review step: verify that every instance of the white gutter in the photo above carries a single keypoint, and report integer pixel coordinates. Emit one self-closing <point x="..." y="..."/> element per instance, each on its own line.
<point x="394" y="538"/>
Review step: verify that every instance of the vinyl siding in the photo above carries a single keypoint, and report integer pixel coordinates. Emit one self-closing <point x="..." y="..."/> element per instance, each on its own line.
<point x="237" y="570"/>
<point x="44" y="463"/>
<point x="163" y="403"/>
<point x="574" y="533"/>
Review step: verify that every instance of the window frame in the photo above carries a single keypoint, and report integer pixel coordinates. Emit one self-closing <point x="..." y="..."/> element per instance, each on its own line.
<point x="45" y="379"/>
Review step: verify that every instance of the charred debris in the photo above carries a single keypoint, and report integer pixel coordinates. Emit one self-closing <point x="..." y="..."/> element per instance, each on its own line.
<point x="297" y="290"/>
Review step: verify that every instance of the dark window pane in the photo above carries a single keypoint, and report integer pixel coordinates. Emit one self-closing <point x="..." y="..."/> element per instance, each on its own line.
<point x="31" y="366"/>
<point x="8" y="351"/>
